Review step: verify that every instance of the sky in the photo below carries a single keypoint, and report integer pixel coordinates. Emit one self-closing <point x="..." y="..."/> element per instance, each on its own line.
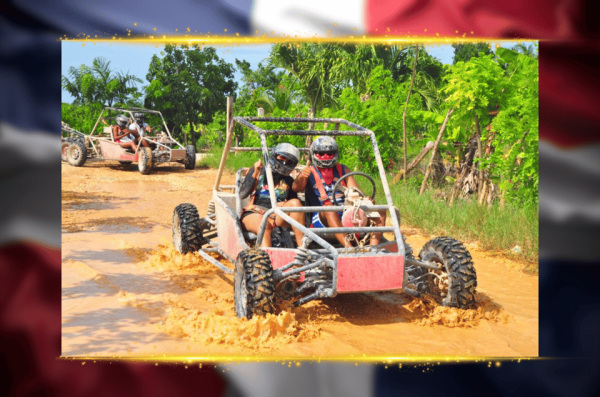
<point x="135" y="58"/>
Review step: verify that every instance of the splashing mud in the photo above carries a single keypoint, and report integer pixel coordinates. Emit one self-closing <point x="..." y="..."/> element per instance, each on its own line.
<point x="426" y="311"/>
<point x="166" y="258"/>
<point x="220" y="327"/>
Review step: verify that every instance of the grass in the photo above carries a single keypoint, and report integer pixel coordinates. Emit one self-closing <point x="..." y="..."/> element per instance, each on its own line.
<point x="494" y="229"/>
<point x="234" y="161"/>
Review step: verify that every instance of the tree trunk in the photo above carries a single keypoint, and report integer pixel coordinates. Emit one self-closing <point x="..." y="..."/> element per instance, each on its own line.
<point x="192" y="133"/>
<point x="465" y="168"/>
<point x="479" y="154"/>
<point x="412" y="82"/>
<point x="414" y="162"/>
<point x="311" y="115"/>
<point x="435" y="146"/>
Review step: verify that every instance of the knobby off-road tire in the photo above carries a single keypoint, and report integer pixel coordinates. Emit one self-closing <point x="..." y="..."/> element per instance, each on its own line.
<point x="457" y="282"/>
<point x="187" y="231"/>
<point x="254" y="291"/>
<point x="145" y="160"/>
<point x="76" y="153"/>
<point x="190" y="157"/>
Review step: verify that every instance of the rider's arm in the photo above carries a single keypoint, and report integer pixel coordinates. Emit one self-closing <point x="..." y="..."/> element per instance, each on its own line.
<point x="116" y="133"/>
<point x="350" y="181"/>
<point x="249" y="183"/>
<point x="300" y="182"/>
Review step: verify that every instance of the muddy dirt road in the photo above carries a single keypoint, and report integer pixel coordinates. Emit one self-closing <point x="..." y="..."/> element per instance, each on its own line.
<point x="126" y="292"/>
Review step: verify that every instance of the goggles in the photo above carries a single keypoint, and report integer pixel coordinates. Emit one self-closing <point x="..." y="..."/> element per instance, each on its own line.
<point x="286" y="162"/>
<point x="325" y="153"/>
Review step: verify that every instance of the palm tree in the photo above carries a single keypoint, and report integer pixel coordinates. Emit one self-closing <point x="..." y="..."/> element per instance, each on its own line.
<point x="99" y="83"/>
<point x="528" y="50"/>
<point x="314" y="67"/>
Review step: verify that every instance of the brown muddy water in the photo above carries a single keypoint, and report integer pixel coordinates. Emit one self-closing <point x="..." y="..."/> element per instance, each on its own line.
<point x="127" y="292"/>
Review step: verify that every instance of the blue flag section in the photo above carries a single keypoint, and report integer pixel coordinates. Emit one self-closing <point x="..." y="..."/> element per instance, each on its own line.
<point x="30" y="203"/>
<point x="569" y="349"/>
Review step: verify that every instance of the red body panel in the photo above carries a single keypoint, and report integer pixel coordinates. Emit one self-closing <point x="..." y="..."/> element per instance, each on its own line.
<point x="229" y="241"/>
<point x="280" y="256"/>
<point x="114" y="151"/>
<point x="370" y="273"/>
<point x="177" y="154"/>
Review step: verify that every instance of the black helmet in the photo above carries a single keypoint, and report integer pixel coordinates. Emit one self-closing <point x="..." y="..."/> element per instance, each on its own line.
<point x="324" y="144"/>
<point x="122" y="120"/>
<point x="138" y="116"/>
<point x="288" y="151"/>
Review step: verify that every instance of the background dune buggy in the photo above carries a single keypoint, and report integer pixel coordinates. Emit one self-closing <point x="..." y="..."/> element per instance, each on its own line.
<point x="320" y="268"/>
<point x="77" y="147"/>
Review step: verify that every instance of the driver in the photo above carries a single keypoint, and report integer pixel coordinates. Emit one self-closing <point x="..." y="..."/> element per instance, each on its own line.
<point x="319" y="183"/>
<point x="139" y="128"/>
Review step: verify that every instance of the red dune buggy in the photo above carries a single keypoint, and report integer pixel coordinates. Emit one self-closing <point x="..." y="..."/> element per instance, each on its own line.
<point x="77" y="147"/>
<point x="321" y="267"/>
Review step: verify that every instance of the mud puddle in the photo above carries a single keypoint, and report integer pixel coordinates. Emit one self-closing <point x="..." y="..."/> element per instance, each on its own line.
<point x="127" y="292"/>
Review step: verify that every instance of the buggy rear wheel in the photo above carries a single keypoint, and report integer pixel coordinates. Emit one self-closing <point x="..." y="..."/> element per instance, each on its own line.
<point x="145" y="160"/>
<point x="187" y="231"/>
<point x="254" y="291"/>
<point x="190" y="157"/>
<point x="76" y="153"/>
<point x="455" y="284"/>
<point x="64" y="147"/>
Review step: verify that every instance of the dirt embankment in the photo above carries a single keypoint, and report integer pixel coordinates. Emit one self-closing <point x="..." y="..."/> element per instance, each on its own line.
<point x="127" y="292"/>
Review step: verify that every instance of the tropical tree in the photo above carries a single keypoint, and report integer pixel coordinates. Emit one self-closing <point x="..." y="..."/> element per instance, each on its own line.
<point x="463" y="52"/>
<point x="314" y="65"/>
<point x="99" y="84"/>
<point x="189" y="85"/>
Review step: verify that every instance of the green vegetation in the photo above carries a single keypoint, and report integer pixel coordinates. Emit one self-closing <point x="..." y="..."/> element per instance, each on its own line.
<point x="483" y="182"/>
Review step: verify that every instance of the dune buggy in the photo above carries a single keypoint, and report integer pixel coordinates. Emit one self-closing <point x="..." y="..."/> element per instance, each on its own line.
<point x="320" y="267"/>
<point x="77" y="147"/>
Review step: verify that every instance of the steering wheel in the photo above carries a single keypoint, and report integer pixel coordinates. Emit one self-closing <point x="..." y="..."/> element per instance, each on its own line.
<point x="343" y="189"/>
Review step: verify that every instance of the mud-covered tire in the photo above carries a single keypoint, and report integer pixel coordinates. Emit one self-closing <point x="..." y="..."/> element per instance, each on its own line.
<point x="145" y="160"/>
<point x="456" y="284"/>
<point x="254" y="291"/>
<point x="187" y="231"/>
<point x="76" y="154"/>
<point x="64" y="147"/>
<point x="190" y="157"/>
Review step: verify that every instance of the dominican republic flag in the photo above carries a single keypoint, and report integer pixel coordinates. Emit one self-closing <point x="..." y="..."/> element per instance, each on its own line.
<point x="30" y="209"/>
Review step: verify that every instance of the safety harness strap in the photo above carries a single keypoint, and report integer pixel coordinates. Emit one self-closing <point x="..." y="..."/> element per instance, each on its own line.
<point x="319" y="181"/>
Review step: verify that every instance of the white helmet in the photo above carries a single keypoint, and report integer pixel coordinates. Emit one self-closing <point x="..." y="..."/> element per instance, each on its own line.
<point x="122" y="120"/>
<point x="324" y="144"/>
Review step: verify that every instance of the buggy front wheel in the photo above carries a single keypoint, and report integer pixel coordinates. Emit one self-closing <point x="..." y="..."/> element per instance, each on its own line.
<point x="454" y="284"/>
<point x="145" y="160"/>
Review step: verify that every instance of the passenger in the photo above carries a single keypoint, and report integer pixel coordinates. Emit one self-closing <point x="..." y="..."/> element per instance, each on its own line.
<point x="138" y="130"/>
<point x="121" y="133"/>
<point x="284" y="158"/>
<point x="319" y="181"/>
